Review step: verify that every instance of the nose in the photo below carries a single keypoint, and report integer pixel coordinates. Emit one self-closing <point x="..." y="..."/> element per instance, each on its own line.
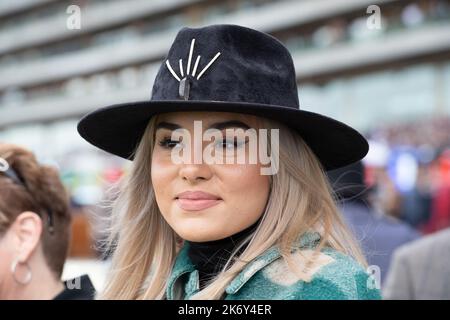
<point x="194" y="173"/>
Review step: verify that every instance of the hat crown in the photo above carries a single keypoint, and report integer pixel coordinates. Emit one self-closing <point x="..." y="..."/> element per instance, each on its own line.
<point x="227" y="63"/>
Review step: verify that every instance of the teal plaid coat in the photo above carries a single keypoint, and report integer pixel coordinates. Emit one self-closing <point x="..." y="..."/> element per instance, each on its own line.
<point x="334" y="276"/>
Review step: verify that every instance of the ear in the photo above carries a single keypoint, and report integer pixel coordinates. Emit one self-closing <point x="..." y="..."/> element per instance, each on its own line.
<point x="27" y="230"/>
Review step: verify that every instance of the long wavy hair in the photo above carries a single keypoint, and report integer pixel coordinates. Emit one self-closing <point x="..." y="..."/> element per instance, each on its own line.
<point x="144" y="246"/>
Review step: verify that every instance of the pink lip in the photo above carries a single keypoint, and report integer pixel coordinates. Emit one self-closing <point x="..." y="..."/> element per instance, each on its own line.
<point x="196" y="200"/>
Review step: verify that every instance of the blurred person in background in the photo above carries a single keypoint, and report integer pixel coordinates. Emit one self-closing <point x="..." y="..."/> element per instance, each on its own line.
<point x="415" y="189"/>
<point x="440" y="204"/>
<point x="35" y="227"/>
<point x="420" y="270"/>
<point x="417" y="202"/>
<point x="385" y="196"/>
<point x="379" y="234"/>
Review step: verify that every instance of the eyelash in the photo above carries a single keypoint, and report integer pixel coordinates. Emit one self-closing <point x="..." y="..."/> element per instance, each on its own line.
<point x="166" y="141"/>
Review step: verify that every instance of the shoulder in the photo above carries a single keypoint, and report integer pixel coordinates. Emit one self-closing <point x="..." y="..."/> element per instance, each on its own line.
<point x="333" y="276"/>
<point x="439" y="239"/>
<point x="344" y="278"/>
<point x="424" y="249"/>
<point x="415" y="262"/>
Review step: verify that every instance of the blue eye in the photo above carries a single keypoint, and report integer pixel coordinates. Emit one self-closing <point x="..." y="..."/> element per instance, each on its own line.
<point x="230" y="144"/>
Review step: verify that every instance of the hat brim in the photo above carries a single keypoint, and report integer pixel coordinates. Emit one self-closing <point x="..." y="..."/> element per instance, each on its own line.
<point x="118" y="129"/>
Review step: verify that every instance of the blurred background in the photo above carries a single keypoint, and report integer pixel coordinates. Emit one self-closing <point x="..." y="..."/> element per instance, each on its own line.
<point x="391" y="82"/>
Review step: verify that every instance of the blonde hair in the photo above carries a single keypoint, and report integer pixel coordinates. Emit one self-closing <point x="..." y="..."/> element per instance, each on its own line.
<point x="145" y="246"/>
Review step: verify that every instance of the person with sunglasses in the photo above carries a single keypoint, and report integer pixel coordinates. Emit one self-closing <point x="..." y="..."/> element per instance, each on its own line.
<point x="35" y="225"/>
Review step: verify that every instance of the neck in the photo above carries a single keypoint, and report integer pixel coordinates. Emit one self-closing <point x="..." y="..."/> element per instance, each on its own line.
<point x="210" y="257"/>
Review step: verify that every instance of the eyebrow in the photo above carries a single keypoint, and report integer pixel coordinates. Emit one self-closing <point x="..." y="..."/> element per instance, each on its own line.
<point x="216" y="125"/>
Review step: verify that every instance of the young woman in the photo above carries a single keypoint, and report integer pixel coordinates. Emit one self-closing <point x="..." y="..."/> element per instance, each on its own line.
<point x="191" y="220"/>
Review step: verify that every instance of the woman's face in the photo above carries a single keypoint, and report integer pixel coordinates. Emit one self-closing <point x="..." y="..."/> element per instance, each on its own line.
<point x="221" y="199"/>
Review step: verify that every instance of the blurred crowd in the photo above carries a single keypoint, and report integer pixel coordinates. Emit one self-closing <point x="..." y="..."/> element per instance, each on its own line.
<point x="396" y="18"/>
<point x="397" y="203"/>
<point x="410" y="166"/>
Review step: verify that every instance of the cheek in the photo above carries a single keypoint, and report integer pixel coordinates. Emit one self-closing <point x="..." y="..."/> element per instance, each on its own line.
<point x="6" y="257"/>
<point x="163" y="172"/>
<point x="246" y="188"/>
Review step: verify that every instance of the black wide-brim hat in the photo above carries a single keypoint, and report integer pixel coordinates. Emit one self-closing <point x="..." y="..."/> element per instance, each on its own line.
<point x="226" y="68"/>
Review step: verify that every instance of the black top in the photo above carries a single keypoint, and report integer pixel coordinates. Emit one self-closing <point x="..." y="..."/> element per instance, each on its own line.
<point x="210" y="257"/>
<point x="77" y="289"/>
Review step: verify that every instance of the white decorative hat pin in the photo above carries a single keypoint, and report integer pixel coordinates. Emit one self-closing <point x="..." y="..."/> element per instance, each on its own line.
<point x="185" y="84"/>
